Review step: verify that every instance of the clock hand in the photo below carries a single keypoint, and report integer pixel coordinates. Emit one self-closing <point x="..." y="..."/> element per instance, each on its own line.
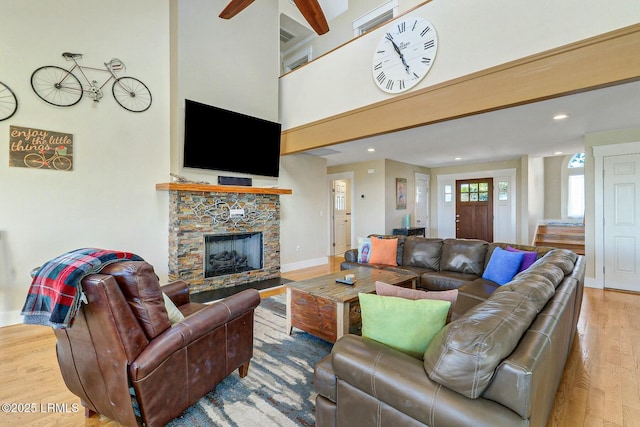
<point x="397" y="49"/>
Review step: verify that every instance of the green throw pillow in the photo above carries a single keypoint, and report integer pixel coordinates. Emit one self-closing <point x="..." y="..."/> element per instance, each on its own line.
<point x="405" y="325"/>
<point x="175" y="315"/>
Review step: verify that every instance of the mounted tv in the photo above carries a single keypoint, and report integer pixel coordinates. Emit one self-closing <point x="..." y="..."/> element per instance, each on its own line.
<point x="223" y="140"/>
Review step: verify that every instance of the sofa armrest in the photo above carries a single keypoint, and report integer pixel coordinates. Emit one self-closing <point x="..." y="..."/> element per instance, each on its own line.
<point x="351" y="255"/>
<point x="178" y="292"/>
<point x="191" y="329"/>
<point x="400" y="381"/>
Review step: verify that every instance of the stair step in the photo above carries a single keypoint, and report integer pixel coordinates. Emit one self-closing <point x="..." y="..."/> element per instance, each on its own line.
<point x="561" y="236"/>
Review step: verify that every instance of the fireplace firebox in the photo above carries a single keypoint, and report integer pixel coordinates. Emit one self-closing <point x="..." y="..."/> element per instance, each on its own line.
<point x="232" y="253"/>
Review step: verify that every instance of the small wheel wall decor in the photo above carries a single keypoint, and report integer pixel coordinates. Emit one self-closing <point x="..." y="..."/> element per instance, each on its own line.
<point x="8" y="102"/>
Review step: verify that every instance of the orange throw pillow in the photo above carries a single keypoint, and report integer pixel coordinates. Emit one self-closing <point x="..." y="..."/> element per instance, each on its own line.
<point x="383" y="251"/>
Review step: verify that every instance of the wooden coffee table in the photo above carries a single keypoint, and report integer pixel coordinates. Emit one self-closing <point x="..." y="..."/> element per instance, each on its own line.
<point x="329" y="310"/>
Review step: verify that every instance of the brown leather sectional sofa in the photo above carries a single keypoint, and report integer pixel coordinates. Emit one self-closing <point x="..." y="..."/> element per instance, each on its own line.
<point x="498" y="363"/>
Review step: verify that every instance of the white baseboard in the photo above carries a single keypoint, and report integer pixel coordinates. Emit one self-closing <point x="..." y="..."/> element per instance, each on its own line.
<point x="304" y="264"/>
<point x="8" y="318"/>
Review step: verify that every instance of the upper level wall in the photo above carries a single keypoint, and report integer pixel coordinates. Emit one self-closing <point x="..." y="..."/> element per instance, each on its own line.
<point x="477" y="37"/>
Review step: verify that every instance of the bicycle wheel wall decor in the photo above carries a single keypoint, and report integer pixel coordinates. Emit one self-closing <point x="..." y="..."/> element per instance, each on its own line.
<point x="64" y="87"/>
<point x="40" y="149"/>
<point x="8" y="102"/>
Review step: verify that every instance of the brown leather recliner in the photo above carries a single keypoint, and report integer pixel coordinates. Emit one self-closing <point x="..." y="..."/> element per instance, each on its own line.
<point x="122" y="348"/>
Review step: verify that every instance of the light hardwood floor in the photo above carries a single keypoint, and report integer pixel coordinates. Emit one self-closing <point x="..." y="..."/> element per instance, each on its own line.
<point x="600" y="386"/>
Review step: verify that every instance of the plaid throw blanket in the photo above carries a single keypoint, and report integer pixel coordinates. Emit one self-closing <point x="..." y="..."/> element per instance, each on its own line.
<point x="55" y="293"/>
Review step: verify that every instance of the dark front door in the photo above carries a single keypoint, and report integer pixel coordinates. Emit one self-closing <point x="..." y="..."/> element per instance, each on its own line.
<point x="474" y="209"/>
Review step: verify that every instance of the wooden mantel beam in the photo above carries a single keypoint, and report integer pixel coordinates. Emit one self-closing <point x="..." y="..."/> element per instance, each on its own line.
<point x="208" y="188"/>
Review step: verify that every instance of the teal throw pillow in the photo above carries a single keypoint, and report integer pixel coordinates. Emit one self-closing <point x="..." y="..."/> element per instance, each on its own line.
<point x="502" y="266"/>
<point x="403" y="324"/>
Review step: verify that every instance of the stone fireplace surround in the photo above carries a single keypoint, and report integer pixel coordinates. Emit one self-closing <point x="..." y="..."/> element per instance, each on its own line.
<point x="197" y="210"/>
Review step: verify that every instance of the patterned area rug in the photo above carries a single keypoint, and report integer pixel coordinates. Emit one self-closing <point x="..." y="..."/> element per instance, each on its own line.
<point x="278" y="391"/>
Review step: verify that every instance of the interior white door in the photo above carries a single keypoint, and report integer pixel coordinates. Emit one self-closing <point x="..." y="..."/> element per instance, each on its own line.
<point x="622" y="222"/>
<point x="422" y="202"/>
<point x="340" y="219"/>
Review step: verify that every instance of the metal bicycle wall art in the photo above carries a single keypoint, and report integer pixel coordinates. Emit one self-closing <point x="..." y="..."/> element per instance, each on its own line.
<point x="62" y="87"/>
<point x="8" y="102"/>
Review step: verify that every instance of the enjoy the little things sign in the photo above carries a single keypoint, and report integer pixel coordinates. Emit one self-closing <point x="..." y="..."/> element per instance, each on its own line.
<point x="40" y="149"/>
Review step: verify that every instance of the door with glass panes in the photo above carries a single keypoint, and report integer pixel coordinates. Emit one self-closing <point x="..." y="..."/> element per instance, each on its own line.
<point x="474" y="209"/>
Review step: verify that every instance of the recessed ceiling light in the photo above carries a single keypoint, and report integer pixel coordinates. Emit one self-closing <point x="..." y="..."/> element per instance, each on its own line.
<point x="561" y="116"/>
<point x="371" y="150"/>
<point x="458" y="158"/>
<point x="557" y="152"/>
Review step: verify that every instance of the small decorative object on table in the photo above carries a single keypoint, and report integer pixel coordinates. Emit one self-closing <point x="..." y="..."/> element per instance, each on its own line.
<point x="349" y="279"/>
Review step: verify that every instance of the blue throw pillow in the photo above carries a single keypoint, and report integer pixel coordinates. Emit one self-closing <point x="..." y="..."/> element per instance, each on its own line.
<point x="503" y="265"/>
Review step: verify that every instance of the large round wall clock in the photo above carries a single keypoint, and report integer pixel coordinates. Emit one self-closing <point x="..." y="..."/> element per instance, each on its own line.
<point x="404" y="54"/>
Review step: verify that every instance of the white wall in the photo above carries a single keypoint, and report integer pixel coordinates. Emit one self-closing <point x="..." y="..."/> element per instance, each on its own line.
<point x="393" y="170"/>
<point x="109" y="199"/>
<point x="305" y="213"/>
<point x="369" y="197"/>
<point x="231" y="64"/>
<point x="536" y="198"/>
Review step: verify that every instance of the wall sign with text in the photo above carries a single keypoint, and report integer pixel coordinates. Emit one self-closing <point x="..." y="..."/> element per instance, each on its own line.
<point x="40" y="149"/>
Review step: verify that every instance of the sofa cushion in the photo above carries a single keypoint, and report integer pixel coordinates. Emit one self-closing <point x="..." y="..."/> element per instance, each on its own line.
<point x="383" y="251"/>
<point x="141" y="288"/>
<point x="444" y="280"/>
<point x="463" y="256"/>
<point x="385" y="289"/>
<point x="405" y="325"/>
<point x="422" y="252"/>
<point x="480" y="289"/>
<point x="537" y="288"/>
<point x="547" y="268"/>
<point x="465" y="353"/>
<point x="364" y="250"/>
<point x="502" y="266"/>
<point x="563" y="258"/>
<point x="529" y="257"/>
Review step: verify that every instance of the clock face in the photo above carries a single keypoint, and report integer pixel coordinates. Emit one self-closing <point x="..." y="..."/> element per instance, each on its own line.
<point x="404" y="54"/>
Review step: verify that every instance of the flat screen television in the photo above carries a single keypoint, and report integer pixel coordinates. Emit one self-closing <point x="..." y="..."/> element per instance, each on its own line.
<point x="223" y="140"/>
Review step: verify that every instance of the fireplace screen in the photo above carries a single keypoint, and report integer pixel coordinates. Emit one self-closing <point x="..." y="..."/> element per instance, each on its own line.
<point x="232" y="253"/>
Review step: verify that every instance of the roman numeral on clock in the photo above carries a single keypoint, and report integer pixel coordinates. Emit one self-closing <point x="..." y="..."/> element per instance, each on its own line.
<point x="402" y="27"/>
<point x="401" y="83"/>
<point x="429" y="44"/>
<point x="390" y="85"/>
<point x="425" y="60"/>
<point x="381" y="77"/>
<point x="425" y="31"/>
<point x="377" y="66"/>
